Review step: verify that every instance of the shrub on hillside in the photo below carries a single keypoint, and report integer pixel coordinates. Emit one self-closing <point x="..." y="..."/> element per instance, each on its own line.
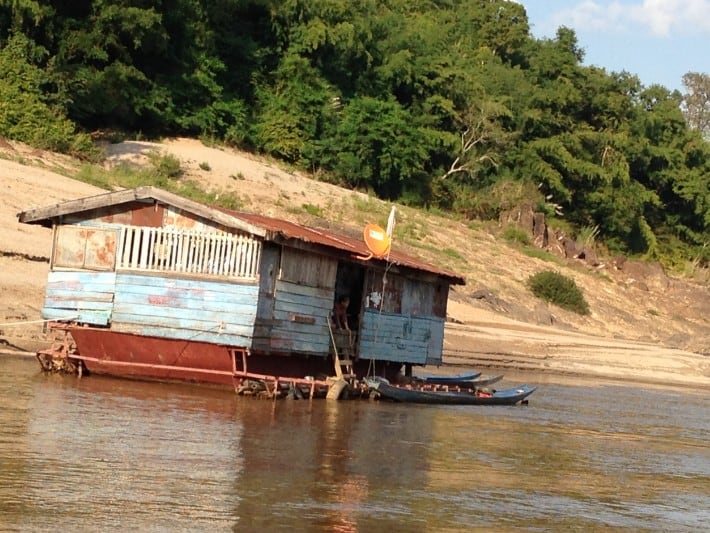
<point x="559" y="290"/>
<point x="165" y="165"/>
<point x="27" y="114"/>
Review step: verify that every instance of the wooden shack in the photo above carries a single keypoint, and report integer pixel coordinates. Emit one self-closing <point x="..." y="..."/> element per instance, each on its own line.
<point x="149" y="284"/>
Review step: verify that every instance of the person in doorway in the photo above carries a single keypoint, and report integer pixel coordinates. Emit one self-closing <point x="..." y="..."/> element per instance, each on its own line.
<point x="340" y="313"/>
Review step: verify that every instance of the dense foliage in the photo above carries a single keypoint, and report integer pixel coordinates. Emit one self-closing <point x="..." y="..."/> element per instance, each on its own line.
<point x="558" y="289"/>
<point x="446" y="103"/>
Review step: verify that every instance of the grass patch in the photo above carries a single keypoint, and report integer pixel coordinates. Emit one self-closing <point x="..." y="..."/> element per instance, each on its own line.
<point x="205" y="166"/>
<point x="450" y="252"/>
<point x="127" y="177"/>
<point x="313" y="210"/>
<point x="373" y="207"/>
<point x="515" y="234"/>
<point x="539" y="253"/>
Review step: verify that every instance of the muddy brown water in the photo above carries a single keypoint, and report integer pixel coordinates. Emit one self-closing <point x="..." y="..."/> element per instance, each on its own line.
<point x="102" y="454"/>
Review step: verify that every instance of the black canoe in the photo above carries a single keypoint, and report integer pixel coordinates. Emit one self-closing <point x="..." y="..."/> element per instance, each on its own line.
<point x="449" y="380"/>
<point x="512" y="396"/>
<point x="474" y="383"/>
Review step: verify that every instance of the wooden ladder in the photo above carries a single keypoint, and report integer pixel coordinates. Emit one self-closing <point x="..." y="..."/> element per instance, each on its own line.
<point x="343" y="365"/>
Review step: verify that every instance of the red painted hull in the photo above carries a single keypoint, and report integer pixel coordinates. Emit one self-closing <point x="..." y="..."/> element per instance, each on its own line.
<point x="103" y="351"/>
<point x="123" y="354"/>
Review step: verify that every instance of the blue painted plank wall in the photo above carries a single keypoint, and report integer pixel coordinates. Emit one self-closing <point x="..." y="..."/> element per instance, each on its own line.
<point x="299" y="321"/>
<point x="186" y="309"/>
<point x="85" y="296"/>
<point x="403" y="339"/>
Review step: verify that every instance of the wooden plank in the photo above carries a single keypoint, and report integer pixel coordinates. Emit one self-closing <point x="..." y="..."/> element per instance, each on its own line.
<point x="305" y="290"/>
<point x="298" y="299"/>
<point x="177" y="308"/>
<point x="98" y="318"/>
<point x="301" y="308"/>
<point x="174" y="306"/>
<point x="89" y="296"/>
<point x="168" y="281"/>
<point x="280" y="340"/>
<point x="187" y="299"/>
<point x="299" y="329"/>
<point x="59" y="303"/>
<point x="317" y="321"/>
<point x="208" y="323"/>
<point x="58" y="276"/>
<point x="183" y="334"/>
<point x="291" y="337"/>
<point x="139" y="304"/>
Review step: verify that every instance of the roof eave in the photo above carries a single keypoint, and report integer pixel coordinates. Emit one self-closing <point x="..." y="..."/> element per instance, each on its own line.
<point x="47" y="215"/>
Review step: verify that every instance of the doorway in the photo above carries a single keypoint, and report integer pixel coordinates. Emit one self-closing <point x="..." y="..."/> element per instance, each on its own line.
<point x="349" y="281"/>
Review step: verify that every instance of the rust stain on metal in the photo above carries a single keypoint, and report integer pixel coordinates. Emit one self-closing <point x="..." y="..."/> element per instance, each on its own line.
<point x="291" y="230"/>
<point x="147" y="215"/>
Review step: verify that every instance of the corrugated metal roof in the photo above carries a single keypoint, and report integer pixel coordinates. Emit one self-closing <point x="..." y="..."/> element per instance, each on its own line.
<point x="292" y="230"/>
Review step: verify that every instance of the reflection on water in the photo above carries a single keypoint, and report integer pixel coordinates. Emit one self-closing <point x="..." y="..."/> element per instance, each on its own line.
<point x="104" y="454"/>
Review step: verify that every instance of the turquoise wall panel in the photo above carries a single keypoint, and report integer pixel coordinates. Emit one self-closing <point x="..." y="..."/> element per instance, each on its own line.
<point x="187" y="309"/>
<point x="82" y="296"/>
<point x="398" y="338"/>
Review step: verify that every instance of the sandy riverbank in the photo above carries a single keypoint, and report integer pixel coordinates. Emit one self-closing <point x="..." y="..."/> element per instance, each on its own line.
<point x="476" y="337"/>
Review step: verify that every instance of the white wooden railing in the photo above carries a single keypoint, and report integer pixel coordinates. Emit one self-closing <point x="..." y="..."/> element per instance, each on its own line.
<point x="192" y="252"/>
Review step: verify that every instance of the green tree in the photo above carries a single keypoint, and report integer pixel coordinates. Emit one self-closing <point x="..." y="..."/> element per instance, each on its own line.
<point x="26" y="114"/>
<point x="291" y="109"/>
<point x="376" y="145"/>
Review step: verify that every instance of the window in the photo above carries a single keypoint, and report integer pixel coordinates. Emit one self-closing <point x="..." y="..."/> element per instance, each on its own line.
<point x="84" y="247"/>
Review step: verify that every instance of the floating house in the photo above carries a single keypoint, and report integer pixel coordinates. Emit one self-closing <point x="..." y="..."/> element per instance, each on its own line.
<point x="146" y="283"/>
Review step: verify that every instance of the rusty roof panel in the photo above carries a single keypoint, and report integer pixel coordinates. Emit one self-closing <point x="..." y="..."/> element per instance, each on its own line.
<point x="292" y="230"/>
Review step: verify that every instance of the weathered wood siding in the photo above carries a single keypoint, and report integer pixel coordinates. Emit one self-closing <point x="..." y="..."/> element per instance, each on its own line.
<point x="84" y="296"/>
<point x="300" y="320"/>
<point x="200" y="310"/>
<point x="404" y="339"/>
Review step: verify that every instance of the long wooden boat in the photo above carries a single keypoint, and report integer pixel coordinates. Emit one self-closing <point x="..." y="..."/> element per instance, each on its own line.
<point x="483" y="381"/>
<point x="463" y="383"/>
<point x="452" y="380"/>
<point x="410" y="394"/>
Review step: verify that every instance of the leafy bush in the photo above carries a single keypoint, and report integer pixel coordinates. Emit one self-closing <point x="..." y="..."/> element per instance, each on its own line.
<point x="165" y="165"/>
<point x="559" y="290"/>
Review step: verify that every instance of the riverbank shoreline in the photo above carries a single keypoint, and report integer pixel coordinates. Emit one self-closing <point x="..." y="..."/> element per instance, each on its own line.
<point x="644" y="326"/>
<point x="531" y="374"/>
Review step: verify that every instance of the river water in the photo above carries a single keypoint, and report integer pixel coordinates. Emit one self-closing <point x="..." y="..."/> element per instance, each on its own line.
<point x="102" y="454"/>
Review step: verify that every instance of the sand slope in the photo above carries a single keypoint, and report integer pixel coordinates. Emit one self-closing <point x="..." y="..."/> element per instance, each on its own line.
<point x="620" y="340"/>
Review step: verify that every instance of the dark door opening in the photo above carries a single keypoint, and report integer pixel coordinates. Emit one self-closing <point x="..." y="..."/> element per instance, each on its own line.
<point x="349" y="282"/>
